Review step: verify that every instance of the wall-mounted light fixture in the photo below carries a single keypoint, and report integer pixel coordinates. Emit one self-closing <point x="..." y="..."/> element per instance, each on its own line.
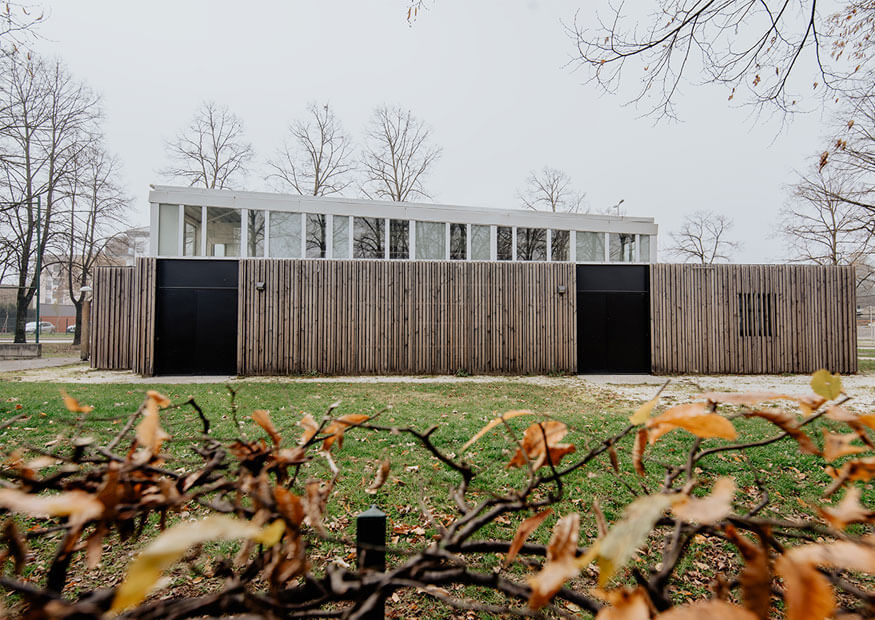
<point x="259" y="286"/>
<point x="562" y="289"/>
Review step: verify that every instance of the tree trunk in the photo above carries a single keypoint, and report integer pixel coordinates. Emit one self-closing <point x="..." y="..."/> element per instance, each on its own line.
<point x="77" y="335"/>
<point x="21" y="303"/>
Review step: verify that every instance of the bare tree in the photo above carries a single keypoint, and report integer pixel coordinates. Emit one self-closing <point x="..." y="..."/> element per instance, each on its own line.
<point x="315" y="159"/>
<point x="398" y="155"/>
<point x="17" y="24"/>
<point x="550" y="189"/>
<point x="49" y="119"/>
<point x="702" y="238"/>
<point x="212" y="151"/>
<point x="94" y="218"/>
<point x="767" y="51"/>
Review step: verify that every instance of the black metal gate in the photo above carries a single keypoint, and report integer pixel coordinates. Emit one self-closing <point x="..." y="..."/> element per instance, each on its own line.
<point x="613" y="318"/>
<point x="196" y="325"/>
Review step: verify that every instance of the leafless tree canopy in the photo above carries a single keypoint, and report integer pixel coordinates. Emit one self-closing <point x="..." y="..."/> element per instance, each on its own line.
<point x="398" y="156"/>
<point x="822" y="227"/>
<point x="48" y="121"/>
<point x="95" y="212"/>
<point x="316" y="158"/>
<point x="17" y="24"/>
<point x="753" y="47"/>
<point x="551" y="190"/>
<point x="703" y="238"/>
<point x="212" y="152"/>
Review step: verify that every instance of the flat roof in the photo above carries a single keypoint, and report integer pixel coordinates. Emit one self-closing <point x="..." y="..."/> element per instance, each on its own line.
<point x="165" y="194"/>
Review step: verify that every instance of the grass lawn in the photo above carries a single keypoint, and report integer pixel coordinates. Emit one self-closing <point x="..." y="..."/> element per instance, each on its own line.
<point x="795" y="481"/>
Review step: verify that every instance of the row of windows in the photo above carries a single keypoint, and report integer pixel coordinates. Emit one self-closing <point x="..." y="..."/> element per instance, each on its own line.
<point x="218" y="231"/>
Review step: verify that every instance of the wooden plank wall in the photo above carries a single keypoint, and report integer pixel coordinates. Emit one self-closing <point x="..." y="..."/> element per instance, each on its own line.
<point x="712" y="318"/>
<point x="143" y="331"/>
<point x="387" y="317"/>
<point x="111" y="318"/>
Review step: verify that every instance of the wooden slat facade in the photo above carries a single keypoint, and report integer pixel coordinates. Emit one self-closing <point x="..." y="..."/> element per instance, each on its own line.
<point x="112" y="306"/>
<point x="752" y="318"/>
<point x="399" y="317"/>
<point x="143" y="329"/>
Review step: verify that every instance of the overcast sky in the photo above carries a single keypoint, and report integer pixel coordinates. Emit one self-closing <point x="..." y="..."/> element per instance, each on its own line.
<point x="489" y="77"/>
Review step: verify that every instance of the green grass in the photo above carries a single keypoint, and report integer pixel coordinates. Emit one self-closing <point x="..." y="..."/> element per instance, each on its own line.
<point x="795" y="481"/>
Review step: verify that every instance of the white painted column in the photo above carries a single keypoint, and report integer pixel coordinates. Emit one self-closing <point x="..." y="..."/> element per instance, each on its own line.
<point x="267" y="233"/>
<point x="329" y="236"/>
<point x="203" y="251"/>
<point x="513" y="243"/>
<point x="572" y="243"/>
<point x="244" y="233"/>
<point x="411" y="240"/>
<point x="549" y="244"/>
<point x="493" y="242"/>
<point x="180" y="239"/>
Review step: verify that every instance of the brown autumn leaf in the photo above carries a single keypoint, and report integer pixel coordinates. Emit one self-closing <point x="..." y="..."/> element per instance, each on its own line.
<point x="16" y="544"/>
<point x="615" y="460"/>
<point x="78" y="506"/>
<point x="336" y="429"/>
<point x="380" y="479"/>
<point x="788" y="423"/>
<point x="836" y="445"/>
<point x="314" y="503"/>
<point x="523" y="532"/>
<point x="810" y="404"/>
<point x="560" y="565"/>
<point x="159" y="398"/>
<point x="840" y="414"/>
<point x="861" y="469"/>
<point x="638" y="451"/>
<point x="624" y="604"/>
<point x="628" y="534"/>
<point x="73" y="405"/>
<point x="696" y="418"/>
<point x="540" y="442"/>
<point x="807" y="593"/>
<point x="711" y="509"/>
<point x="755" y="577"/>
<point x="492" y="424"/>
<point x="712" y="610"/>
<point x="289" y="505"/>
<point x="847" y="511"/>
<point x="262" y="418"/>
<point x="310" y="429"/>
<point x="149" y="433"/>
<point x="600" y="521"/>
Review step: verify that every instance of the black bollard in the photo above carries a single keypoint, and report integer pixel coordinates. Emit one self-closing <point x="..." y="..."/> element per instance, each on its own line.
<point x="370" y="537"/>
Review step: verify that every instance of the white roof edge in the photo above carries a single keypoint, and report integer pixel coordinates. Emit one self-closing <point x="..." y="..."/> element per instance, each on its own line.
<point x="240" y="199"/>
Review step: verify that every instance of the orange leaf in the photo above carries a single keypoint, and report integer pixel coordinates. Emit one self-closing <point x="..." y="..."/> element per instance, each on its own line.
<point x="492" y="424"/>
<point x="836" y="445"/>
<point x="695" y="418"/>
<point x="336" y="429"/>
<point x="560" y="565"/>
<point x="523" y="532"/>
<point x="540" y="443"/>
<point x="289" y="505"/>
<point x="262" y="418"/>
<point x="310" y="429"/>
<point x="712" y="610"/>
<point x="755" y="577"/>
<point x="73" y="405"/>
<point x="625" y="604"/>
<point x="159" y="398"/>
<point x="380" y="480"/>
<point x="711" y="509"/>
<point x="788" y="423"/>
<point x="807" y="593"/>
<point x="638" y="451"/>
<point x="849" y="510"/>
<point x="862" y="469"/>
<point x="149" y="432"/>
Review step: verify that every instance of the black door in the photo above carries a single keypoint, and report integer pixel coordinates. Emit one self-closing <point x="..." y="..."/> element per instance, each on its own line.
<point x="613" y="318"/>
<point x="196" y="326"/>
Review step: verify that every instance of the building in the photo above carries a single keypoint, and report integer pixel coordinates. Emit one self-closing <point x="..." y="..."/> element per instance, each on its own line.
<point x="254" y="283"/>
